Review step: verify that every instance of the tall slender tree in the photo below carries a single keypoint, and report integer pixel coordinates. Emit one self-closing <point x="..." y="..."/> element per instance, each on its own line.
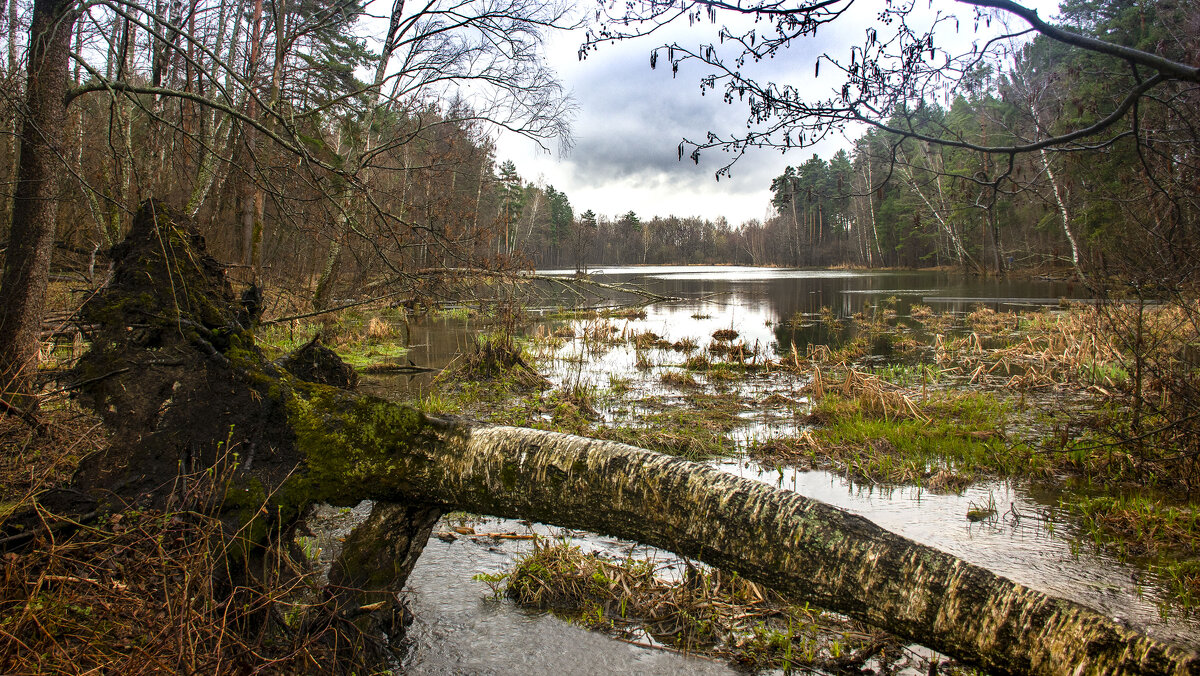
<point x="26" y="271"/>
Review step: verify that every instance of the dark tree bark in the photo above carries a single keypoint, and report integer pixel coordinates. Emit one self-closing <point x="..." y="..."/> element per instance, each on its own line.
<point x="175" y="374"/>
<point x="35" y="202"/>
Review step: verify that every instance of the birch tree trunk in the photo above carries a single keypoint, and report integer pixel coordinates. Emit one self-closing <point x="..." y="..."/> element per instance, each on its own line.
<point x="960" y="251"/>
<point x="1058" y="197"/>
<point x="1065" y="213"/>
<point x="804" y="548"/>
<point x="870" y="197"/>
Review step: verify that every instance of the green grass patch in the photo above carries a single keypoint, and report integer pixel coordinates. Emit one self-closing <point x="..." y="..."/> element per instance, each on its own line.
<point x="1108" y="374"/>
<point x="1149" y="528"/>
<point x="909" y="375"/>
<point x="940" y="441"/>
<point x="364" y="355"/>
<point x="1137" y="525"/>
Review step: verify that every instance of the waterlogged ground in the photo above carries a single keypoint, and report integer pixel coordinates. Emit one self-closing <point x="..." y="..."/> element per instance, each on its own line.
<point x="1028" y="540"/>
<point x="641" y="371"/>
<point x="460" y="627"/>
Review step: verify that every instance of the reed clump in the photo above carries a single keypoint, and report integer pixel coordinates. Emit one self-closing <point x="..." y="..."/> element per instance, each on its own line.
<point x="681" y="379"/>
<point x="494" y="356"/>
<point x="698" y="610"/>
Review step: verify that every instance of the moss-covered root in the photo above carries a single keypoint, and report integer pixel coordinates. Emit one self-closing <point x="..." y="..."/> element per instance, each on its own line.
<point x="805" y="548"/>
<point x="379" y="554"/>
<point x="374" y="564"/>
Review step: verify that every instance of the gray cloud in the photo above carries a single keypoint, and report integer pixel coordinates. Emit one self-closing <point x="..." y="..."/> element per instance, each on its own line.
<point x="633" y="118"/>
<point x="630" y="122"/>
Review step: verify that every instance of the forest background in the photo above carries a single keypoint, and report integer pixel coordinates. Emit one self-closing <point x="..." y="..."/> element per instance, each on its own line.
<point x="326" y="165"/>
<point x="331" y="169"/>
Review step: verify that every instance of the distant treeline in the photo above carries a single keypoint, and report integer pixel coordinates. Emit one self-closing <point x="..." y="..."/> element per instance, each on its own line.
<point x="1119" y="202"/>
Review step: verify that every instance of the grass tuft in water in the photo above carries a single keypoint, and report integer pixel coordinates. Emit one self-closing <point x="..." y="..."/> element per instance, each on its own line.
<point x="701" y="611"/>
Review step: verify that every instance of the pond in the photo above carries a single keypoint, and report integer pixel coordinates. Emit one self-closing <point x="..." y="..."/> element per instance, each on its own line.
<point x="771" y="307"/>
<point x="460" y="629"/>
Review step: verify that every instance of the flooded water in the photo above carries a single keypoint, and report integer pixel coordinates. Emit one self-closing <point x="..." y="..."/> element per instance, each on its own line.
<point x="773" y="308"/>
<point x="461" y="629"/>
<point x="1027" y="541"/>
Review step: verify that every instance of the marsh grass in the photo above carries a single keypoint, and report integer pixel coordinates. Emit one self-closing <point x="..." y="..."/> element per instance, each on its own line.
<point x="872" y="429"/>
<point x="1152" y="529"/>
<point x="494" y="356"/>
<point x="620" y="312"/>
<point x="960" y="433"/>
<point x="1138" y="525"/>
<point x="680" y="379"/>
<point x="703" y="612"/>
<point x="362" y="339"/>
<point x="944" y="399"/>
<point x="686" y="345"/>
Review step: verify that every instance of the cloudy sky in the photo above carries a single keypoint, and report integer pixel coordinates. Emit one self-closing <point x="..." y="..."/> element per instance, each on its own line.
<point x="631" y="118"/>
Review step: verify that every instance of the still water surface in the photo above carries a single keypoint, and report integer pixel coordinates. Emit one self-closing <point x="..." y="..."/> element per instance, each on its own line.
<point x="459" y="629"/>
<point x="774" y="307"/>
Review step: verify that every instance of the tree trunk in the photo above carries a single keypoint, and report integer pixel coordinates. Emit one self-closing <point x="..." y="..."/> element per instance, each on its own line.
<point x="804" y="548"/>
<point x="35" y="200"/>
<point x="187" y="382"/>
<point x="1065" y="213"/>
<point x="940" y="215"/>
<point x="994" y="229"/>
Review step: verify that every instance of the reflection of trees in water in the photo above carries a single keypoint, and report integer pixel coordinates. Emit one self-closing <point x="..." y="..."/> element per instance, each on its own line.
<point x="792" y="305"/>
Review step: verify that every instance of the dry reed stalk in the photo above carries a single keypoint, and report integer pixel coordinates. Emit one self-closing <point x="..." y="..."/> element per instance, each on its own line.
<point x="377" y="330"/>
<point x="819" y="353"/>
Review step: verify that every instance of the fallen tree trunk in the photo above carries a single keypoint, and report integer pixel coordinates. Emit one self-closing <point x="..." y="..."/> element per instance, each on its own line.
<point x="806" y="549"/>
<point x="176" y="373"/>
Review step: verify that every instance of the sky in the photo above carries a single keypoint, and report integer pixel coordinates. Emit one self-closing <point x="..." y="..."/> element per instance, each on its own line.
<point x="628" y="125"/>
<point x="630" y="120"/>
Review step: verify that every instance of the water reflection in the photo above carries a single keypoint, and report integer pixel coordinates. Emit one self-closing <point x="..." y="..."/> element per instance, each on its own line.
<point x="779" y="307"/>
<point x="771" y="307"/>
<point x="459" y="629"/>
